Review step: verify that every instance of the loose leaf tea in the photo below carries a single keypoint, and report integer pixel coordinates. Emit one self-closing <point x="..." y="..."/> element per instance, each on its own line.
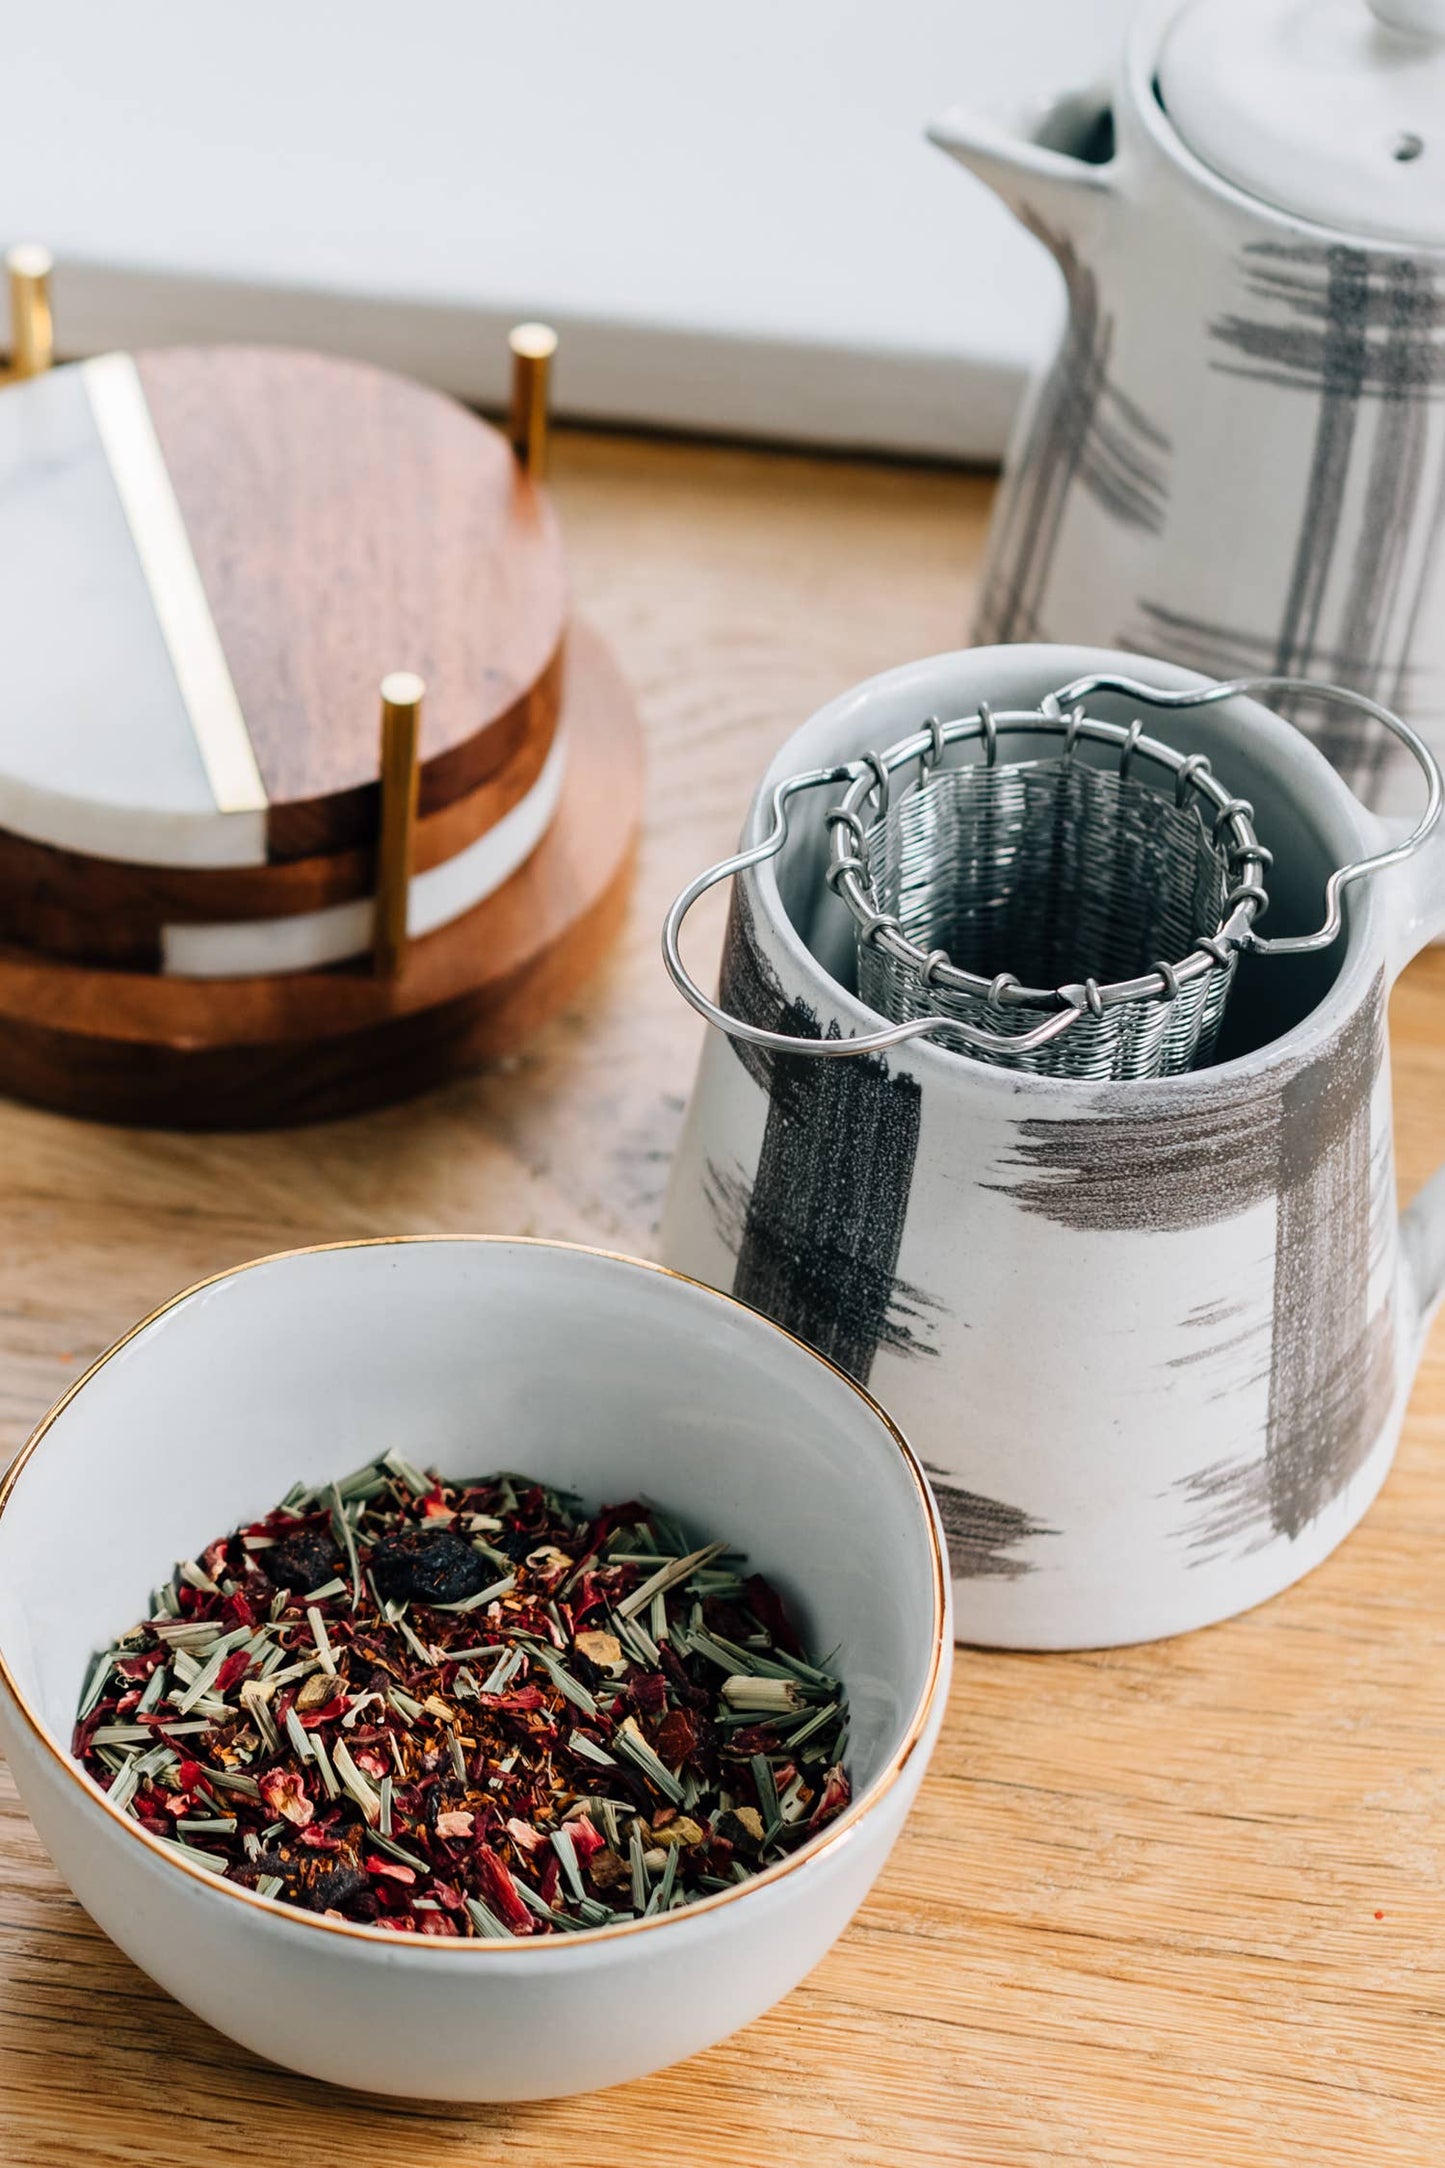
<point x="468" y="1709"/>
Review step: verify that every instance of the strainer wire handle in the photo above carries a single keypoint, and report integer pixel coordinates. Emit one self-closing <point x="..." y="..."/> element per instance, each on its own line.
<point x="868" y="1042"/>
<point x="1199" y="696"/>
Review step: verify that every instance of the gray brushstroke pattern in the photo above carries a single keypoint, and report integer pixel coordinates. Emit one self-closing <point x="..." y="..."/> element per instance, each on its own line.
<point x="983" y="1534"/>
<point x="1085" y="432"/>
<point x="816" y="1231"/>
<point x="1301" y="1135"/>
<point x="1357" y="331"/>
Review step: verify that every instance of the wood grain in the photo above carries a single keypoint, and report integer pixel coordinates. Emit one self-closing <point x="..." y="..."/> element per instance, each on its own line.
<point x="1132" y="1921"/>
<point x="246" y="1053"/>
<point x="104" y="911"/>
<point x="347" y="522"/>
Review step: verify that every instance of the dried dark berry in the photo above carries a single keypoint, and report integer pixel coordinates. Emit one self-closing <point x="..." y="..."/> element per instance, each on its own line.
<point x="331" y="1885"/>
<point x="513" y="1543"/>
<point x="320" y="1883"/>
<point x="735" y="1831"/>
<point x="304" y="1561"/>
<point x="428" y="1565"/>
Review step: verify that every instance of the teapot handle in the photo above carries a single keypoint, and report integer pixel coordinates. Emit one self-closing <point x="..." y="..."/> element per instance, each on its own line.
<point x="1419" y="920"/>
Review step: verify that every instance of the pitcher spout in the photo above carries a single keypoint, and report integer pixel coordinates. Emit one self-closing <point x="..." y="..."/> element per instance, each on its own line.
<point x="1053" y="165"/>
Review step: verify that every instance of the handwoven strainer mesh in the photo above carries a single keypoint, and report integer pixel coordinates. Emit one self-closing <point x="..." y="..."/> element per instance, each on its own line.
<point x="1055" y="873"/>
<point x="1067" y="913"/>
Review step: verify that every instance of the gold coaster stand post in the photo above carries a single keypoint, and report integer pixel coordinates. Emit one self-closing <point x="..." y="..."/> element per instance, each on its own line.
<point x="32" y="333"/>
<point x="402" y="692"/>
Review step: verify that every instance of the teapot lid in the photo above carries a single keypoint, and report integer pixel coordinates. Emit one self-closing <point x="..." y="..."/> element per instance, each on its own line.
<point x="1332" y="110"/>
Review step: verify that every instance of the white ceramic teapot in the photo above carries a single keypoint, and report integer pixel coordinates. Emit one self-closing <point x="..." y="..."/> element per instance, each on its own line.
<point x="1237" y="459"/>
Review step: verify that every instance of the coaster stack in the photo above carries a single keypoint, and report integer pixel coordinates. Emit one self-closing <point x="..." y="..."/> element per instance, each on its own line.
<point x="311" y="793"/>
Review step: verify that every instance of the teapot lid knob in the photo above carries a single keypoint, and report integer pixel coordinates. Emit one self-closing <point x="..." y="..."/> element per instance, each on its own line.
<point x="1324" y="110"/>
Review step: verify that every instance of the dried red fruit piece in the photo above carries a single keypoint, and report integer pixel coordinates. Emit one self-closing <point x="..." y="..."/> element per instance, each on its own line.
<point x="391" y="1868"/>
<point x="328" y="1713"/>
<point x="520" y="1701"/>
<point x="234" y="1669"/>
<point x="676" y="1739"/>
<point x="585" y="1839"/>
<point x="836" y="1793"/>
<point x="501" y="1891"/>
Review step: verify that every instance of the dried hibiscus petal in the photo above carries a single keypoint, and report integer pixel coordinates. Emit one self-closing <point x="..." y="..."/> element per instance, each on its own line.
<point x="837" y="1791"/>
<point x="501" y="1891"/>
<point x="585" y="1839"/>
<point x="676" y="1739"/>
<point x="285" y="1794"/>
<point x="232" y="1671"/>
<point x="392" y="1869"/>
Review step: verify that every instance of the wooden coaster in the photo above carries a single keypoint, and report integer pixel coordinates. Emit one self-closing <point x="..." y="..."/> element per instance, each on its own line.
<point x="253" y="1052"/>
<point x="213" y="555"/>
<point x="104" y="911"/>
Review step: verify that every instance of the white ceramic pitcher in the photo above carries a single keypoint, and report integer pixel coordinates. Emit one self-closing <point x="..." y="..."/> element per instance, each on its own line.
<point x="1153" y="1339"/>
<point x="1237" y="459"/>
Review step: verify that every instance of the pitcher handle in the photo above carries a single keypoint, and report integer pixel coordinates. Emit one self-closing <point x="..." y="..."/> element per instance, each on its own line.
<point x="1419" y="920"/>
<point x="1360" y="869"/>
<point x="780" y="1042"/>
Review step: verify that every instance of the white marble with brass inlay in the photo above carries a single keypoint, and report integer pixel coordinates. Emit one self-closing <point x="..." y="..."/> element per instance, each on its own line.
<point x="115" y="734"/>
<point x="137" y="464"/>
<point x="307" y="940"/>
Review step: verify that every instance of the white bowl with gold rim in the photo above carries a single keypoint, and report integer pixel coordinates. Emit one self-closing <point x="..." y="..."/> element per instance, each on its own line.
<point x="602" y="1374"/>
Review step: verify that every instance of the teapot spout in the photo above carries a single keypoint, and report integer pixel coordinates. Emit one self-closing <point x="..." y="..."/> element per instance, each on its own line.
<point x="1053" y="166"/>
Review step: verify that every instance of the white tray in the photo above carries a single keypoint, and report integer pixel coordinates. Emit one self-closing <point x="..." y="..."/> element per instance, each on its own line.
<point x="731" y="213"/>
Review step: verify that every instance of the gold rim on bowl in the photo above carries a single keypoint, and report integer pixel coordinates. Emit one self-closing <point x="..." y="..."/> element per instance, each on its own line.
<point x="294" y="1915"/>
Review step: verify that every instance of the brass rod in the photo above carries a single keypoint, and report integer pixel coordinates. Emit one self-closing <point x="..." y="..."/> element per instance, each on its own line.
<point x="32" y="336"/>
<point x="533" y="346"/>
<point x="401" y="698"/>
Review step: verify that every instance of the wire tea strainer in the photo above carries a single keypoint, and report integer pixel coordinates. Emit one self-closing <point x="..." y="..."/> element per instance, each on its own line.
<point x="1128" y="897"/>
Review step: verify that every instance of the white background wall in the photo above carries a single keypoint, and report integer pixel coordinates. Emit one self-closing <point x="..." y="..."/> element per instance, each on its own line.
<point x="730" y="210"/>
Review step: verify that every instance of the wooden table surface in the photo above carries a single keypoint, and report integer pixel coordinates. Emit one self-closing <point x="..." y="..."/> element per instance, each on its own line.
<point x="1169" y="1905"/>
